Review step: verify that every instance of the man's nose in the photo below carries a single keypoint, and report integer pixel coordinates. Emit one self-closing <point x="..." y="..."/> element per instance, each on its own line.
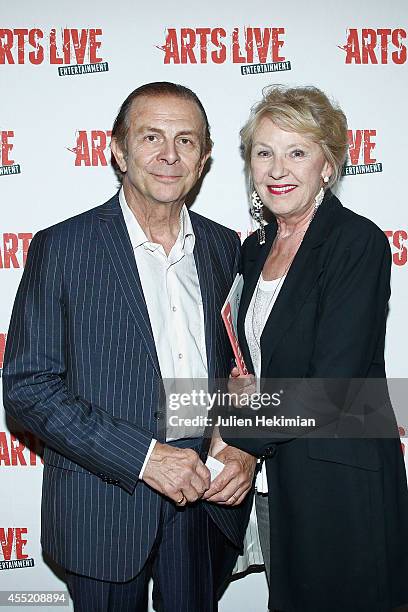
<point x="168" y="152"/>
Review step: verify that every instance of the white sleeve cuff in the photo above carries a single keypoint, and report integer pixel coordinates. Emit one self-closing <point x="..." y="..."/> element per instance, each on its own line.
<point x="149" y="452"/>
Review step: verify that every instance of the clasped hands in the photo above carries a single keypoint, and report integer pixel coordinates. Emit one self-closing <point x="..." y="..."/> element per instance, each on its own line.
<point x="235" y="481"/>
<point x="179" y="473"/>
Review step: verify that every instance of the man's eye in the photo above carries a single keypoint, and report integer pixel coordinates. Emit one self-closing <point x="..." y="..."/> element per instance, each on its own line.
<point x="298" y="153"/>
<point x="151" y="138"/>
<point x="185" y="141"/>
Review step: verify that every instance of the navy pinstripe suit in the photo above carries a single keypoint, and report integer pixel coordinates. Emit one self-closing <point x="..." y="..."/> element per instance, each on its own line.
<point x="81" y="372"/>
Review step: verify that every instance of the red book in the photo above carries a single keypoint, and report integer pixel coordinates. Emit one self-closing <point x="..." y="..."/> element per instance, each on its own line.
<point x="229" y="313"/>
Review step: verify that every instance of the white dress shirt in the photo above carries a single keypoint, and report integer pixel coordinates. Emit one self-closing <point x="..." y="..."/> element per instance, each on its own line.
<point x="172" y="292"/>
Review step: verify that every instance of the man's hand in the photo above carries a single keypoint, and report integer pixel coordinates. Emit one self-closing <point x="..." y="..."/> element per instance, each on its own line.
<point x="177" y="473"/>
<point x="231" y="486"/>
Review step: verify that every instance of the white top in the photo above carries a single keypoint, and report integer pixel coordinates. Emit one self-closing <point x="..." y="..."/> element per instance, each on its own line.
<point x="172" y="292"/>
<point x="260" y="307"/>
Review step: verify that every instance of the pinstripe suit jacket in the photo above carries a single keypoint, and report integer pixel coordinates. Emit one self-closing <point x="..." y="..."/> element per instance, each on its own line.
<point x="81" y="372"/>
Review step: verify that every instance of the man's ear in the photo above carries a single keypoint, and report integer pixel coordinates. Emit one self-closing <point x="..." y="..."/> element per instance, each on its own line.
<point x="203" y="161"/>
<point x="119" y="155"/>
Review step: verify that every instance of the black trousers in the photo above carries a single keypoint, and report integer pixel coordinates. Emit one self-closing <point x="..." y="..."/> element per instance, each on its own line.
<point x="189" y="563"/>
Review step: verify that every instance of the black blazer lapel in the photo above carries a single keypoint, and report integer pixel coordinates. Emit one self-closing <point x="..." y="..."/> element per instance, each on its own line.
<point x="205" y="272"/>
<point x="299" y="281"/>
<point x="116" y="241"/>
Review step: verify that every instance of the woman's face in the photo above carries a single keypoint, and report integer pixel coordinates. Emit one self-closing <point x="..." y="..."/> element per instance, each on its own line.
<point x="287" y="169"/>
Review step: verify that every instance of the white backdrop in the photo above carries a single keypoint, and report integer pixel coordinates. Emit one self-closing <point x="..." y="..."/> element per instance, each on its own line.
<point x="54" y="150"/>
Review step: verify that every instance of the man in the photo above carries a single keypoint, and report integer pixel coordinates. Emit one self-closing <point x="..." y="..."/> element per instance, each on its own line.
<point x="112" y="302"/>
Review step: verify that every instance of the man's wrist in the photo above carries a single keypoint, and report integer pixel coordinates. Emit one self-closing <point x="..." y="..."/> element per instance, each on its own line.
<point x="149" y="452"/>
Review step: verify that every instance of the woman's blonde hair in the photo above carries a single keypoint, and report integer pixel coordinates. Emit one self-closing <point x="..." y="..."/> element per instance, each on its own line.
<point x="306" y="110"/>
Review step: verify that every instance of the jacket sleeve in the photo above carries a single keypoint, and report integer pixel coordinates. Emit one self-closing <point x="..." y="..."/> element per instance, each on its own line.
<point x="34" y="380"/>
<point x="348" y="340"/>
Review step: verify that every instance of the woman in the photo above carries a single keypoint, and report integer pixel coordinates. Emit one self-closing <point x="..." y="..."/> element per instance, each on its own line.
<point x="314" y="304"/>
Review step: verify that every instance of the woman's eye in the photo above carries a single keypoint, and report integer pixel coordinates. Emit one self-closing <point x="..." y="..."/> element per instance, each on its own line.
<point x="298" y="153"/>
<point x="263" y="153"/>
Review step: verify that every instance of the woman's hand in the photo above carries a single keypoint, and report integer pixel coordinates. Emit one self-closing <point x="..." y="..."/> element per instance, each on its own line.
<point x="240" y="385"/>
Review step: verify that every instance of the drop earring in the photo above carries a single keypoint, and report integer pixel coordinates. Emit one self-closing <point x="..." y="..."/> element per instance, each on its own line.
<point x="319" y="197"/>
<point x="318" y="200"/>
<point x="257" y="214"/>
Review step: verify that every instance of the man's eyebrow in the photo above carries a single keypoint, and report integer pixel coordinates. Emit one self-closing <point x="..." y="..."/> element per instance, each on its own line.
<point x="150" y="128"/>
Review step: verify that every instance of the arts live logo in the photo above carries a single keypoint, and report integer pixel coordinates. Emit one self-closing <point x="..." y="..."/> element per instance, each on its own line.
<point x="92" y="147"/>
<point x="75" y="51"/>
<point x="375" y="46"/>
<point x="7" y="164"/>
<point x="14" y="249"/>
<point x="403" y="432"/>
<point x="13" y="545"/>
<point x="20" y="448"/>
<point x="398" y="241"/>
<point x="2" y="349"/>
<point x="243" y="234"/>
<point x="361" y="159"/>
<point x="260" y="49"/>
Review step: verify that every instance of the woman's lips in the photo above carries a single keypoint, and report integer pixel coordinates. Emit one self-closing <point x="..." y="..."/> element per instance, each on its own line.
<point x="280" y="189"/>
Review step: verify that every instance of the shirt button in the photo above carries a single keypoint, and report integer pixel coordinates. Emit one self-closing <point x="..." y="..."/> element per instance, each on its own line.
<point x="180" y="355"/>
<point x="174" y="308"/>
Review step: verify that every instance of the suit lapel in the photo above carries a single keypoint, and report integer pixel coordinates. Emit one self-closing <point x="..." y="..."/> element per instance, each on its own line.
<point x="205" y="272"/>
<point x="116" y="241"/>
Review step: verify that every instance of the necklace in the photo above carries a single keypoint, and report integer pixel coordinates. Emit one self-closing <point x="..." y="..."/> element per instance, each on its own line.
<point x="280" y="237"/>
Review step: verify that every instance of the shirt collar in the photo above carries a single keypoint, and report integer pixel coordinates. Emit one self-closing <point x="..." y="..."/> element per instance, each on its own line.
<point x="185" y="238"/>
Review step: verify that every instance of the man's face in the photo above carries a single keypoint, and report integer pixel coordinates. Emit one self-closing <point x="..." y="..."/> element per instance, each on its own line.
<point x="164" y="157"/>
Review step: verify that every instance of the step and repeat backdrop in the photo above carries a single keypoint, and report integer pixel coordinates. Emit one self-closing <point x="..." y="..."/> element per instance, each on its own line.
<point x="65" y="68"/>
